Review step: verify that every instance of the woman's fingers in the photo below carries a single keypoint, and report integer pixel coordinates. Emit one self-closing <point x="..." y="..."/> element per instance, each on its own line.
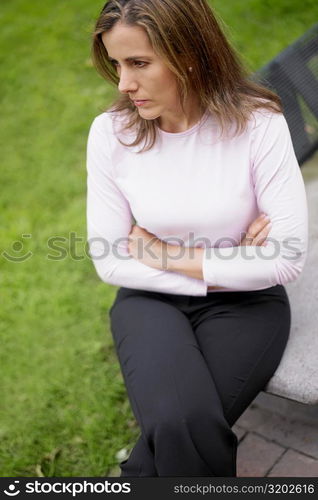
<point x="262" y="235"/>
<point x="257" y="225"/>
<point x="257" y="232"/>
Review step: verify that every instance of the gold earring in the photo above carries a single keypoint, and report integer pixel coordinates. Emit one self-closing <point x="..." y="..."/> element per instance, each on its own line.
<point x="190" y="68"/>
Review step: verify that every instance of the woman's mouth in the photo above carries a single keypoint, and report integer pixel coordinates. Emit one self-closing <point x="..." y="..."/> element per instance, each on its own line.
<point x="140" y="103"/>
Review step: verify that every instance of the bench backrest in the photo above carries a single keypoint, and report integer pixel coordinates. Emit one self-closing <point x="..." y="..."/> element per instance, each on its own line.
<point x="293" y="75"/>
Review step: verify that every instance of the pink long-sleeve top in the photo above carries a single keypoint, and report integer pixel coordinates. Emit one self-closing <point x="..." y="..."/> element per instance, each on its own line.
<point x="194" y="188"/>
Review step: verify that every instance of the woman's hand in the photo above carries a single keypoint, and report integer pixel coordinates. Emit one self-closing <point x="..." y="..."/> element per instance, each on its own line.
<point x="146" y="247"/>
<point x="256" y="235"/>
<point x="257" y="232"/>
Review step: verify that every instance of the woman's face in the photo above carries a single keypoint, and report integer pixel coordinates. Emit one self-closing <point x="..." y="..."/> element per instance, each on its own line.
<point x="143" y="75"/>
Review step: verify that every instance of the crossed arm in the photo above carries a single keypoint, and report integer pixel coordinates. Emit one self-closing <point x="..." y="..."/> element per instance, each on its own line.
<point x="150" y="250"/>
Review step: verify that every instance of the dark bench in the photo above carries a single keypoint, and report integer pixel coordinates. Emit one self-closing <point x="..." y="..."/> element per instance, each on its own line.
<point x="293" y="75"/>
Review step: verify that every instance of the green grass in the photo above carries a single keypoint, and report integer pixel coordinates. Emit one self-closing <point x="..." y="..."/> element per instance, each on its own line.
<point x="64" y="409"/>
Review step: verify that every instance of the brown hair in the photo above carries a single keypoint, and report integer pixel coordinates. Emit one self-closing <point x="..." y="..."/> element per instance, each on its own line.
<point x="184" y="33"/>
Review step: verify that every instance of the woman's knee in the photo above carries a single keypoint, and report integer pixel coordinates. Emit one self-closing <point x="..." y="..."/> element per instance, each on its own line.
<point x="193" y="421"/>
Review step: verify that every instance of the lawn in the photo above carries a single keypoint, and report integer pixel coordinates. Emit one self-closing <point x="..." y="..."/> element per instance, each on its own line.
<point x="64" y="409"/>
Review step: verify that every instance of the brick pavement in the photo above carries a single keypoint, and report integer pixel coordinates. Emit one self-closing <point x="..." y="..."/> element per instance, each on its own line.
<point x="276" y="445"/>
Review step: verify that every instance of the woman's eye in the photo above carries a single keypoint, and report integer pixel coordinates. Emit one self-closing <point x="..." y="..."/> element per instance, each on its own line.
<point x="140" y="64"/>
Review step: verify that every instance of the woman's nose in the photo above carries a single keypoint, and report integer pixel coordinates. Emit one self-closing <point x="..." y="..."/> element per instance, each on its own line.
<point x="126" y="83"/>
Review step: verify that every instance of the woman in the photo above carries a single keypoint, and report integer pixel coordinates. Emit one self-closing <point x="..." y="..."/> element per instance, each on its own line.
<point x="196" y="153"/>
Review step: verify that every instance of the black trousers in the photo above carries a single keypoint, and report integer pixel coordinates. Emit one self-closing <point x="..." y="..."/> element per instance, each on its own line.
<point x="191" y="366"/>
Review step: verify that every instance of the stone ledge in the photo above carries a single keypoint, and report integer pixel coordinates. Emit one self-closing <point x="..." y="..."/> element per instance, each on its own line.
<point x="296" y="377"/>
